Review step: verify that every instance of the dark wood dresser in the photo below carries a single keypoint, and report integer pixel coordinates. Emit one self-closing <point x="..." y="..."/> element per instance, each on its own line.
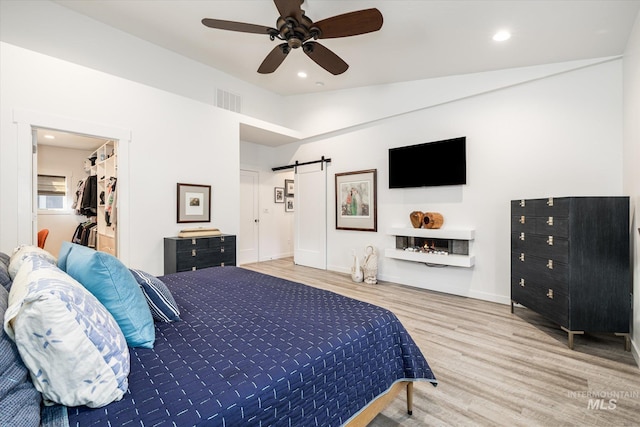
<point x="570" y="262"/>
<point x="186" y="253"/>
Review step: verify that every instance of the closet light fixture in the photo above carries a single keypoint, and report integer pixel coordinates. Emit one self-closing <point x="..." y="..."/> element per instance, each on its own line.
<point x="502" y="35"/>
<point x="48" y="136"/>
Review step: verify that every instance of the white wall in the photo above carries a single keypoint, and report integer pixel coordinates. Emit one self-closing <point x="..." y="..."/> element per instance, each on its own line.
<point x="164" y="139"/>
<point x="555" y="135"/>
<point x="65" y="162"/>
<point x="631" y="162"/>
<point x="54" y="30"/>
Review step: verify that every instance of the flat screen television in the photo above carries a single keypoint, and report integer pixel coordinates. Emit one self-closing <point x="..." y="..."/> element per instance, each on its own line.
<point x="429" y="164"/>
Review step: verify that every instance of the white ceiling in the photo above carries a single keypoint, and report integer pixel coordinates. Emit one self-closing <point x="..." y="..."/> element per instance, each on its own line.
<point x="62" y="139"/>
<point x="418" y="40"/>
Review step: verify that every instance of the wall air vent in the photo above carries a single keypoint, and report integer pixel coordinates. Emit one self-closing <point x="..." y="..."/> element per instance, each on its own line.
<point x="229" y="101"/>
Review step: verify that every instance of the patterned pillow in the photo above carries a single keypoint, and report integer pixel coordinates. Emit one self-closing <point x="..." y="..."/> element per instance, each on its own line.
<point x="73" y="347"/>
<point x="161" y="303"/>
<point x="22" y="252"/>
<point x="5" y="279"/>
<point x="19" y="400"/>
<point x="106" y="277"/>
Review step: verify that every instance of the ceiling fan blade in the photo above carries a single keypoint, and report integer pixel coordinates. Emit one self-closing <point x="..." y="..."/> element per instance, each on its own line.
<point x="291" y="8"/>
<point x="350" y="24"/>
<point x="325" y="58"/>
<point x="274" y="59"/>
<point x="237" y="26"/>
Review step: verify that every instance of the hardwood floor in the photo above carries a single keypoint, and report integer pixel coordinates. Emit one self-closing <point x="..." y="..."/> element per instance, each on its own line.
<point x="494" y="368"/>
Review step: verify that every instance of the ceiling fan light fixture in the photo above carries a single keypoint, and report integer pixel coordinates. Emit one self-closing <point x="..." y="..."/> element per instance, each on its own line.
<point x="501" y="36"/>
<point x="297" y="30"/>
<point x="302" y="74"/>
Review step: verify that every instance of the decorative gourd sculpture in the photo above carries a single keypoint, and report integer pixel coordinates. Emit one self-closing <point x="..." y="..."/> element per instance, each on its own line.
<point x="416" y="219"/>
<point x="432" y="220"/>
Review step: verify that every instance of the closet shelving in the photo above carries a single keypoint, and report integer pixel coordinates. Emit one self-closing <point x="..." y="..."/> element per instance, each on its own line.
<point x="106" y="170"/>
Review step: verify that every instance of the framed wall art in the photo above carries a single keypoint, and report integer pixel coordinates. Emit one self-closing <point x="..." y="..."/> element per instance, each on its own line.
<point x="289" y="187"/>
<point x="194" y="203"/>
<point x="288" y="204"/>
<point x="278" y="194"/>
<point x="356" y="200"/>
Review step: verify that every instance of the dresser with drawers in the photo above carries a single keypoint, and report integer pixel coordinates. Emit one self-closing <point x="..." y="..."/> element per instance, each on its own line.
<point x="186" y="253"/>
<point x="570" y="262"/>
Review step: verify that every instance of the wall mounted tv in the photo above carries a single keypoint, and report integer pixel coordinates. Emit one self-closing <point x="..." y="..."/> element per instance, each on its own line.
<point x="430" y="164"/>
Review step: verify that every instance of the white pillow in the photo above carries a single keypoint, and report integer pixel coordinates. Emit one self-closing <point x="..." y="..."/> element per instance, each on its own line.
<point x="72" y="346"/>
<point x="22" y="252"/>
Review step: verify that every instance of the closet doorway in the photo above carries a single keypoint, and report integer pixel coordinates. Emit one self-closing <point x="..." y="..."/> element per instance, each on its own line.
<point x="61" y="162"/>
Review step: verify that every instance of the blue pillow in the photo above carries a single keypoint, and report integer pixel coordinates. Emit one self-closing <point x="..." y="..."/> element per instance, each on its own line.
<point x="115" y="287"/>
<point x="63" y="254"/>
<point x="19" y="399"/>
<point x="161" y="303"/>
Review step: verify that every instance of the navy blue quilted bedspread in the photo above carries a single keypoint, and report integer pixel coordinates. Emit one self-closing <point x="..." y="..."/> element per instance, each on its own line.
<point x="256" y="350"/>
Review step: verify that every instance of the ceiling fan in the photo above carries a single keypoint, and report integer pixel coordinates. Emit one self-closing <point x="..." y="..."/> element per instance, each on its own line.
<point x="298" y="30"/>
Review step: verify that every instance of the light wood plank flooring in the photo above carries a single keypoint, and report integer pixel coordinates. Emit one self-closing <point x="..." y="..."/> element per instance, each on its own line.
<point x="494" y="368"/>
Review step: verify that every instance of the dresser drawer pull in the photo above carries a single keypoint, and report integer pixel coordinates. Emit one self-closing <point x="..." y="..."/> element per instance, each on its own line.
<point x="522" y="282"/>
<point x="522" y="236"/>
<point x="522" y="220"/>
<point x="550" y="201"/>
<point x="193" y="252"/>
<point x="550" y="221"/>
<point x="550" y="264"/>
<point x="550" y="241"/>
<point x="521" y="257"/>
<point x="193" y="269"/>
<point x="550" y="294"/>
<point x="222" y="249"/>
<point x="193" y="241"/>
<point x="222" y="264"/>
<point x="222" y="238"/>
<point x="522" y="203"/>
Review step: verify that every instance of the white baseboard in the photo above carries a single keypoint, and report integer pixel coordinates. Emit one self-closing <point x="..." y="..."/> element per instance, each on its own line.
<point x="275" y="256"/>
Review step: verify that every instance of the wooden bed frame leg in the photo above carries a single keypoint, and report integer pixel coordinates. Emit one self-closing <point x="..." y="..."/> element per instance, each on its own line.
<point x="410" y="398"/>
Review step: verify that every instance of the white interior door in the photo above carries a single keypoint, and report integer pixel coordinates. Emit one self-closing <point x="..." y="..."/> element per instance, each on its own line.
<point x="310" y="224"/>
<point x="248" y="239"/>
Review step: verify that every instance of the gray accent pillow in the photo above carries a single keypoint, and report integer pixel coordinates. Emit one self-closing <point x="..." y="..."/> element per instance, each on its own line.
<point x="19" y="399"/>
<point x="5" y="279"/>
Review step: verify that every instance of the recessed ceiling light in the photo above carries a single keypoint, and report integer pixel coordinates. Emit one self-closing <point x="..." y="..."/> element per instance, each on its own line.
<point x="502" y="35"/>
<point x="49" y="136"/>
<point x="302" y="74"/>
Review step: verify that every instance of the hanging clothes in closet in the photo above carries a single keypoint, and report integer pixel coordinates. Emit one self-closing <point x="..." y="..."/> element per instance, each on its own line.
<point x="110" y="200"/>
<point x="85" y="200"/>
<point x="85" y="233"/>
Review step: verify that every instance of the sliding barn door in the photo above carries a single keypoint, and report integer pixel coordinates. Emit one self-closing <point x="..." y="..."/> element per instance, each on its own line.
<point x="310" y="236"/>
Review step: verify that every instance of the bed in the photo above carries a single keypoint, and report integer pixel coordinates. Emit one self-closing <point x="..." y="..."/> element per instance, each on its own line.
<point x="256" y="350"/>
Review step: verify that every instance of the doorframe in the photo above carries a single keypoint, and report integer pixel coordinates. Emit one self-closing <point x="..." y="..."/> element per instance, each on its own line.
<point x="25" y="122"/>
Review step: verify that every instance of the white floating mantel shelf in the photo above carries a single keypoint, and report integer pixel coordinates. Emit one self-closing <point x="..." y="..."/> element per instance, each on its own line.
<point x="439" y="233"/>
<point x="455" y="237"/>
